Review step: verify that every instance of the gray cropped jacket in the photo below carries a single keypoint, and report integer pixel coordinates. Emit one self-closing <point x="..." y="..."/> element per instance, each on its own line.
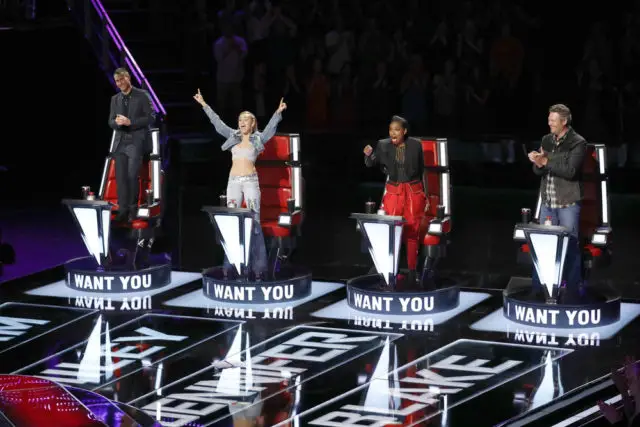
<point x="258" y="139"/>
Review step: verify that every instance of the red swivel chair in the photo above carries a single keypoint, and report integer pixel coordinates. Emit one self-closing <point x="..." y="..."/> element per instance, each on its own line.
<point x="437" y="222"/>
<point x="595" y="229"/>
<point x="282" y="188"/>
<point x="150" y="200"/>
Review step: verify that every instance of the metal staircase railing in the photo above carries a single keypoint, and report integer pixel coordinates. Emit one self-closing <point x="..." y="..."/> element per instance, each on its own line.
<point x="108" y="45"/>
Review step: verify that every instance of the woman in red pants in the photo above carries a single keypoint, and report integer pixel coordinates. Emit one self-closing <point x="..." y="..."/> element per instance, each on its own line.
<point x="402" y="160"/>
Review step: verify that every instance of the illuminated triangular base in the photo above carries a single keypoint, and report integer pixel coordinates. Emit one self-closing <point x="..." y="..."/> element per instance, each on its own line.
<point x="234" y="227"/>
<point x="93" y="219"/>
<point x="383" y="234"/>
<point x="548" y="246"/>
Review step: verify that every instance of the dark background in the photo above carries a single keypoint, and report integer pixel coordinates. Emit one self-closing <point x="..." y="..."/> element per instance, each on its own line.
<point x="55" y="108"/>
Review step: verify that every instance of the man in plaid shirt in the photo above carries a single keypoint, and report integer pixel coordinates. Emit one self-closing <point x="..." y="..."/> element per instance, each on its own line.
<point x="559" y="163"/>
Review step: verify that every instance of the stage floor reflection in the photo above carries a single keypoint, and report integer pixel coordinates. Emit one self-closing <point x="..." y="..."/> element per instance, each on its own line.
<point x="183" y="359"/>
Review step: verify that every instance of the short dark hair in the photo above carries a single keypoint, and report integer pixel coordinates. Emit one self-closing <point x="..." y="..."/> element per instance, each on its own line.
<point x="121" y="72"/>
<point x="403" y="122"/>
<point x="562" y="110"/>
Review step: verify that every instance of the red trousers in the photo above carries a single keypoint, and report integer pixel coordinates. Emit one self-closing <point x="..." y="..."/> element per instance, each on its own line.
<point x="407" y="199"/>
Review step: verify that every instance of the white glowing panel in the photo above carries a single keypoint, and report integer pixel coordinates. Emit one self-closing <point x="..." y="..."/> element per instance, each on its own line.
<point x="90" y="366"/>
<point x="284" y="220"/>
<point x="538" y="206"/>
<point x="563" y="257"/>
<point x="378" y="235"/>
<point x="155" y="182"/>
<point x="229" y="227"/>
<point x="230" y="379"/>
<point x="88" y="220"/>
<point x="248" y="225"/>
<point x="545" y="247"/>
<point x="155" y="141"/>
<point x="106" y="228"/>
<point x="113" y="141"/>
<point x="445" y="193"/>
<point x="295" y="147"/>
<point x="297" y="183"/>
<point x="602" y="161"/>
<point x="396" y="258"/>
<point x="604" y="202"/>
<point x="379" y="391"/>
<point x="105" y="171"/>
<point x="442" y="153"/>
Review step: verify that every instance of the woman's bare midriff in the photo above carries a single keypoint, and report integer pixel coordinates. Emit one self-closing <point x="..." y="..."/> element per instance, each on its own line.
<point x="242" y="167"/>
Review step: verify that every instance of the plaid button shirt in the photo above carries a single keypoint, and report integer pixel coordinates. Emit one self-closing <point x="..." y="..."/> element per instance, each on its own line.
<point x="552" y="199"/>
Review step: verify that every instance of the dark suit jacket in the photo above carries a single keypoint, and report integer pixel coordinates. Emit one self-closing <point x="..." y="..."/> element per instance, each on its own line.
<point x="141" y="114"/>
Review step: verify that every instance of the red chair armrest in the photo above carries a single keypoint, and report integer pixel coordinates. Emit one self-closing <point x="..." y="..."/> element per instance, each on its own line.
<point x="290" y="219"/>
<point x="149" y="211"/>
<point x="518" y="234"/>
<point x="438" y="227"/>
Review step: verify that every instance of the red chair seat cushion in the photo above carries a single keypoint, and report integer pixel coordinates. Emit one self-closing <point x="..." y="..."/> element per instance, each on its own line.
<point x="593" y="251"/>
<point x="139" y="224"/>
<point x="431" y="240"/>
<point x="272" y="229"/>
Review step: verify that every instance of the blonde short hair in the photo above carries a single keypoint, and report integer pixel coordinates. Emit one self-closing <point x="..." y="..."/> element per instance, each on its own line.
<point x="250" y="114"/>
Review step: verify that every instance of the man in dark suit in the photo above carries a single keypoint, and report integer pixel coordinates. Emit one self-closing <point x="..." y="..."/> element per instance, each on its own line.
<point x="131" y="116"/>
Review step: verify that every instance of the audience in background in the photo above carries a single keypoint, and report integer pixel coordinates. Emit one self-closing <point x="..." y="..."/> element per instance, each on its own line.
<point x="452" y="68"/>
<point x="448" y="67"/>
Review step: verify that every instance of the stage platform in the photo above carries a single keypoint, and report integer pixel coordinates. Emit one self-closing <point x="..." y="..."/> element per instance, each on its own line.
<point x="186" y="360"/>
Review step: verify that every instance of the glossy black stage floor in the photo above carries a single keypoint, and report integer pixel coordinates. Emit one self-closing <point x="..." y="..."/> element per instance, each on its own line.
<point x="186" y="360"/>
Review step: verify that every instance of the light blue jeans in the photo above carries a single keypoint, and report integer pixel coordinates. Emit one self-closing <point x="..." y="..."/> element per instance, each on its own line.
<point x="568" y="217"/>
<point x="247" y="187"/>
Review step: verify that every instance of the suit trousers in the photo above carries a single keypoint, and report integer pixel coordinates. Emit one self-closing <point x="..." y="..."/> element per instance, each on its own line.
<point x="128" y="159"/>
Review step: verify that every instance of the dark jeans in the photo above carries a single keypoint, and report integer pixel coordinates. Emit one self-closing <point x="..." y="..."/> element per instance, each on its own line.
<point x="128" y="159"/>
<point x="570" y="218"/>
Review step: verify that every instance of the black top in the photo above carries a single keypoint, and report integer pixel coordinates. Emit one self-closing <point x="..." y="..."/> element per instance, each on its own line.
<point x="125" y="104"/>
<point x="402" y="163"/>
